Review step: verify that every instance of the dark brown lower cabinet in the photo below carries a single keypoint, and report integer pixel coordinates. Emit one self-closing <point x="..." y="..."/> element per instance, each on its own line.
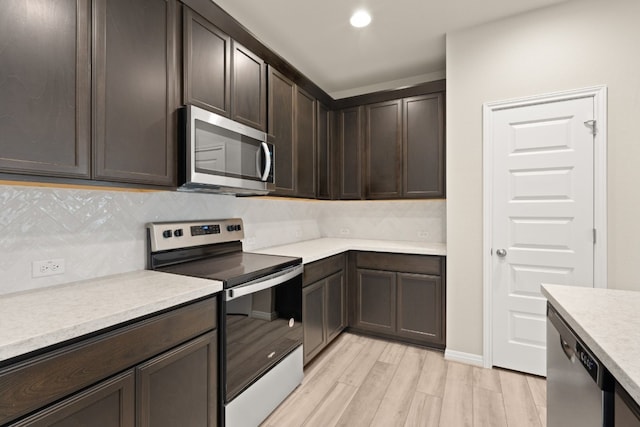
<point x="324" y="307"/>
<point x="376" y="308"/>
<point x="336" y="306"/>
<point x="108" y="404"/>
<point x="158" y="372"/>
<point x="399" y="296"/>
<point x="180" y="386"/>
<point x="313" y="298"/>
<point x="419" y="307"/>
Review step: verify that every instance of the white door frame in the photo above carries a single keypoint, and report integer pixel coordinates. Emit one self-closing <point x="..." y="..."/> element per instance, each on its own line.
<point x="599" y="95"/>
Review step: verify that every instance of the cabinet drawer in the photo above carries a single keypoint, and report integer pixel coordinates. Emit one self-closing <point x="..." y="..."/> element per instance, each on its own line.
<point x="107" y="404"/>
<point x="420" y="264"/>
<point x="320" y="269"/>
<point x="34" y="383"/>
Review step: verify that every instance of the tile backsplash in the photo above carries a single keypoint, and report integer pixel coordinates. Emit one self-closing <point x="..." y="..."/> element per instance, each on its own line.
<point x="100" y="232"/>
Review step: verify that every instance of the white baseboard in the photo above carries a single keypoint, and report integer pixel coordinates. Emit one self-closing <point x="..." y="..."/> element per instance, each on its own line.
<point x="468" y="358"/>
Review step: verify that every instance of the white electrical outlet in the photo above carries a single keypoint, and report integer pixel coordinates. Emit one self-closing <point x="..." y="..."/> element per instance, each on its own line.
<point x="345" y="231"/>
<point x="423" y="234"/>
<point x="48" y="267"/>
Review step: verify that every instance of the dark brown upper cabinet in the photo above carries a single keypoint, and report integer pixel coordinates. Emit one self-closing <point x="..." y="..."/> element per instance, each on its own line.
<point x="423" y="146"/>
<point x="324" y="174"/>
<point x="349" y="165"/>
<point x="249" y="88"/>
<point x="383" y="148"/>
<point x="207" y="64"/>
<point x="292" y="129"/>
<point x="221" y="75"/>
<point x="45" y="88"/>
<point x="282" y="95"/>
<point x="89" y="90"/>
<point x="305" y="141"/>
<point x="135" y="91"/>
<point x="404" y="146"/>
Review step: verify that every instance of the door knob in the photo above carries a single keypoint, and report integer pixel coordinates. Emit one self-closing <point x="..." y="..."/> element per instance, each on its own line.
<point x="501" y="253"/>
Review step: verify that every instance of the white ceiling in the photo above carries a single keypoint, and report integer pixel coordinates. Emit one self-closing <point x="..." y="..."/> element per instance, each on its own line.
<point x="404" y="44"/>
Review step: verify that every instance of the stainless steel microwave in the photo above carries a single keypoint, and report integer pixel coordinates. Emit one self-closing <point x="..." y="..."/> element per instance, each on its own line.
<point x="223" y="156"/>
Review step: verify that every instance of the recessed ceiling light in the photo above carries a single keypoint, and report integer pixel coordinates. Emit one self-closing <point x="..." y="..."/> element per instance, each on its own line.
<point x="360" y="19"/>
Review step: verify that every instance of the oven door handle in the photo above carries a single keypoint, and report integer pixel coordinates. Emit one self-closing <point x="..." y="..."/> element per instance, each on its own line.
<point x="267" y="282"/>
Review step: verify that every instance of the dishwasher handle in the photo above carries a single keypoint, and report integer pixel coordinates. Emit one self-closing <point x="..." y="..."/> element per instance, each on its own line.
<point x="568" y="350"/>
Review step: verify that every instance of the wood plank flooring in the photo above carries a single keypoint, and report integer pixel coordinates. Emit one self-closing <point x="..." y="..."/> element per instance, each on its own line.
<point x="362" y="381"/>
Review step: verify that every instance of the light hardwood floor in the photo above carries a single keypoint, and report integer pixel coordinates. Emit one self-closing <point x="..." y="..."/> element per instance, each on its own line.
<point x="361" y="381"/>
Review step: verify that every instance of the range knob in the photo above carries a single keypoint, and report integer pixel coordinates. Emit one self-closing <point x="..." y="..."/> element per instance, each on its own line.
<point x="167" y="234"/>
<point x="238" y="227"/>
<point x="231" y="227"/>
<point x="178" y="232"/>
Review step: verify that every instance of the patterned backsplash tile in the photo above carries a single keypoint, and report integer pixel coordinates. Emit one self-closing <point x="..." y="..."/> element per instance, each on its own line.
<point x="100" y="232"/>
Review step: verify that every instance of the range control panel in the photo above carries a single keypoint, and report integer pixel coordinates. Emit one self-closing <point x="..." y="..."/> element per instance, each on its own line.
<point x="201" y="230"/>
<point x="176" y="235"/>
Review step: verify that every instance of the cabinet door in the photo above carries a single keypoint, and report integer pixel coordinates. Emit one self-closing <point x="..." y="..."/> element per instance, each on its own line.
<point x="313" y="319"/>
<point x="249" y="94"/>
<point x="179" y="388"/>
<point x="383" y="145"/>
<point x="305" y="142"/>
<point x="108" y="404"/>
<point x="207" y="64"/>
<point x="424" y="149"/>
<point x="44" y="87"/>
<point x="281" y="130"/>
<point x="135" y="83"/>
<point x="420" y="307"/>
<point x="376" y="301"/>
<point x="336" y="305"/>
<point x="350" y="123"/>
<point x="323" y="143"/>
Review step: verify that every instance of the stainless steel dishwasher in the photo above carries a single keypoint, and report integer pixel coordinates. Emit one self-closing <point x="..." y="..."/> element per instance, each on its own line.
<point x="579" y="388"/>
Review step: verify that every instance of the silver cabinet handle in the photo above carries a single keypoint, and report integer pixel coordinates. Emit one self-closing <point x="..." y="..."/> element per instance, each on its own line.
<point x="501" y="253"/>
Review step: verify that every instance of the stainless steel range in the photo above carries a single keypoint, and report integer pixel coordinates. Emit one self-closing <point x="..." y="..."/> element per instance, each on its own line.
<point x="261" y="311"/>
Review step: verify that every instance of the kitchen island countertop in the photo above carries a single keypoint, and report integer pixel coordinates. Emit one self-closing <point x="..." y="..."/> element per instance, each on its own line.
<point x="608" y="321"/>
<point x="314" y="250"/>
<point x="35" y="319"/>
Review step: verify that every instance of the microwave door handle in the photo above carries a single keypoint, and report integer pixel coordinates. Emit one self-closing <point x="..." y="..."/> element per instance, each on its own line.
<point x="264" y="283"/>
<point x="267" y="163"/>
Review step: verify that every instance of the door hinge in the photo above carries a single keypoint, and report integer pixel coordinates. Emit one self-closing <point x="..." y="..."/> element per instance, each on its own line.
<point x="594" y="236"/>
<point x="592" y="124"/>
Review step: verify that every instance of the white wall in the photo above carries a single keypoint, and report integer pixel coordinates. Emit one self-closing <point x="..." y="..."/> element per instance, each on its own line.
<point x="572" y="45"/>
<point x="101" y="232"/>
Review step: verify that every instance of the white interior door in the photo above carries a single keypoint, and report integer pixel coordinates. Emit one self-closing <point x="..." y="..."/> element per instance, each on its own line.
<point x="542" y="220"/>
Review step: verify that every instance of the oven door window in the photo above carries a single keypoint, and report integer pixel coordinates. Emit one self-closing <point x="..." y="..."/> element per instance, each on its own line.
<point x="261" y="329"/>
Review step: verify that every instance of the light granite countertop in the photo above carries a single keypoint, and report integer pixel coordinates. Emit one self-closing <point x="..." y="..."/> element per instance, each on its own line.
<point x="33" y="320"/>
<point x="608" y="321"/>
<point x="313" y="250"/>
